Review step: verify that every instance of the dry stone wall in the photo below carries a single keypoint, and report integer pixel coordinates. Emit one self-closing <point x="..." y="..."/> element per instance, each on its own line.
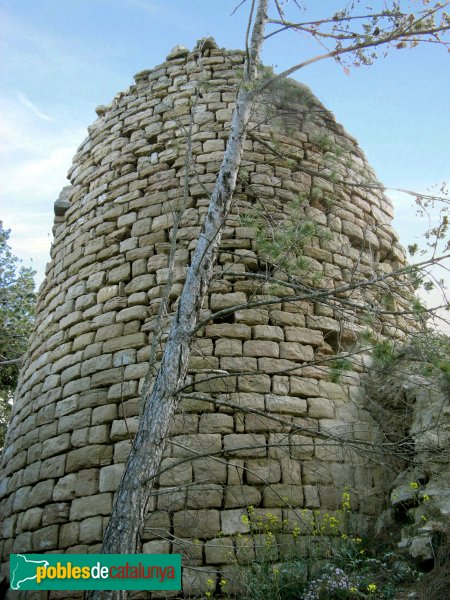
<point x="251" y="429"/>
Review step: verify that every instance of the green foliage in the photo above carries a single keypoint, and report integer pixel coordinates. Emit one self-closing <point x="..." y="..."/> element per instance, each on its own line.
<point x="312" y="556"/>
<point x="17" y="300"/>
<point x="338" y="367"/>
<point x="282" y="241"/>
<point x="433" y="350"/>
<point x="383" y="352"/>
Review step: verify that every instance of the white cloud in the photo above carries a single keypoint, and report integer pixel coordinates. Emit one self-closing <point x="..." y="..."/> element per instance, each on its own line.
<point x="34" y="109"/>
<point x="35" y="155"/>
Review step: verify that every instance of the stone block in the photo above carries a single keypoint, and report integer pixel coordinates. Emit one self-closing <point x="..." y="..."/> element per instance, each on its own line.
<point x="97" y="363"/>
<point x="204" y="495"/>
<point x="311" y="494"/>
<point x="291" y="471"/>
<point x="110" y="477"/>
<point x="222" y="301"/>
<point x="158" y="547"/>
<point x="195" y="579"/>
<point x="324" y="323"/>
<point x="238" y="364"/>
<point x="228" y="347"/>
<point x="184" y="423"/>
<point x="280" y="365"/>
<point x="303" y="335"/>
<point x="232" y="523"/>
<point x="331" y="390"/>
<point x="219" y="551"/>
<point x="23" y="543"/>
<point x="209" y="470"/>
<point x="216" y="423"/>
<point x="283" y="495"/>
<point x="120" y="273"/>
<point x="95" y="455"/>
<point x="121" y="451"/>
<point x="174" y="471"/>
<point x="316" y="472"/>
<point x="65" y="488"/>
<point x="202" y="524"/>
<point x="76" y="386"/>
<point x="245" y="445"/>
<point x="291" y="405"/>
<point x="104" y="414"/>
<point x="105" y="378"/>
<point x="55" y="513"/>
<point x="254" y="423"/>
<point x="91" y="530"/>
<point x="262" y="471"/>
<point x="41" y="493"/>
<point x="304" y="387"/>
<point x="69" y="534"/>
<point x="132" y="313"/>
<point x="109" y="332"/>
<point x="320" y="408"/>
<point x="29" y="520"/>
<point x="241" y="496"/>
<point x="229" y="330"/>
<point x="301" y="446"/>
<point x="296" y="351"/>
<point x="77" y="420"/>
<point x="268" y="332"/>
<point x="192" y="445"/>
<point x="66" y="406"/>
<point x="135" y="340"/>
<point x="280" y="317"/>
<point x="259" y="348"/>
<point x="99" y="434"/>
<point x="278" y="445"/>
<point x="252" y="316"/>
<point x="100" y="504"/>
<point x="45" y="539"/>
<point x="87" y="482"/>
<point x="92" y="398"/>
<point x="53" y="467"/>
<point x="258" y="383"/>
<point x="235" y="471"/>
<point x="214" y="384"/>
<point x="157" y="524"/>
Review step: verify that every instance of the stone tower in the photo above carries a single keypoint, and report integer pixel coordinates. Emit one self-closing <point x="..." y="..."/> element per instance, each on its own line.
<point x="254" y="427"/>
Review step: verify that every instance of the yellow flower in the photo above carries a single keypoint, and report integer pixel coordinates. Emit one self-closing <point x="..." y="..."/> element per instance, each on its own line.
<point x="358" y="540"/>
<point x="223" y="583"/>
<point x="353" y="590"/>
<point x="276" y="572"/>
<point x="426" y="498"/>
<point x="414" y="485"/>
<point x="344" y="536"/>
<point x="210" y="582"/>
<point x="371" y="588"/>
<point x="346" y="501"/>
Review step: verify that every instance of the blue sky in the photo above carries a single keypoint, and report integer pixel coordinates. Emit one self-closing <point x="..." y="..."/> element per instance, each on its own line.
<point x="62" y="58"/>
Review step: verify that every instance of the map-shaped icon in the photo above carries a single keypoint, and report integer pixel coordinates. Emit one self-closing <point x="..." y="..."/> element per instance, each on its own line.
<point x="25" y="570"/>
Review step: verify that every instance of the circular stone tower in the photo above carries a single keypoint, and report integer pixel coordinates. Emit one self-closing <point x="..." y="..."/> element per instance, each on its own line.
<point x="262" y="420"/>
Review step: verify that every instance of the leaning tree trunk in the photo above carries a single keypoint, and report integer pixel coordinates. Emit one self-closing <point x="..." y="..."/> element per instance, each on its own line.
<point x="122" y="535"/>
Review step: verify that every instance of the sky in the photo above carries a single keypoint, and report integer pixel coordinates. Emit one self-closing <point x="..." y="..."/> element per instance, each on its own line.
<point x="62" y="58"/>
